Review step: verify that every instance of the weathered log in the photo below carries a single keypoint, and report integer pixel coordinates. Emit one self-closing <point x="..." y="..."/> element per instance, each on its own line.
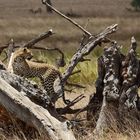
<point x="21" y="107"/>
<point x="111" y="83"/>
<point x="130" y="71"/>
<point x="32" y="91"/>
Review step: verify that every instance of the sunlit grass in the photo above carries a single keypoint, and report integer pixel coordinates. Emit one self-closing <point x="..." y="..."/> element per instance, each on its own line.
<point x="67" y="38"/>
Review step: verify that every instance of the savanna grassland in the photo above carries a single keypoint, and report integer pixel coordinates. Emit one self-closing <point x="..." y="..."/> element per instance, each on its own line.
<point x="19" y="23"/>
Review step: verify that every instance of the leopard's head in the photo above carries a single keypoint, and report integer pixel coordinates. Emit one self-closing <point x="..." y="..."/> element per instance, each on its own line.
<point x="23" y="53"/>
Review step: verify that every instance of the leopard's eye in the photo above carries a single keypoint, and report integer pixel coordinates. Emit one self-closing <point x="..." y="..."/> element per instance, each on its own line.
<point x="20" y="59"/>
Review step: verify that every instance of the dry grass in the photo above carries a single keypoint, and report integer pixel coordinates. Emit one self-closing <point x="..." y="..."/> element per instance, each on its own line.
<point x="96" y="8"/>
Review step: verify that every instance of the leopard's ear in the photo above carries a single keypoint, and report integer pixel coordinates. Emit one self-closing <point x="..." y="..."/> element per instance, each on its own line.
<point x="25" y="49"/>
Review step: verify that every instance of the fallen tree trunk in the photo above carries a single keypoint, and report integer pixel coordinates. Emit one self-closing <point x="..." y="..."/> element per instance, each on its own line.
<point x="21" y="107"/>
<point x="32" y="91"/>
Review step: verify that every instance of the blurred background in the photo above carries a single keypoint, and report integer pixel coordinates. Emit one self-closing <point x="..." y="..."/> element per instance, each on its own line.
<point x="22" y="20"/>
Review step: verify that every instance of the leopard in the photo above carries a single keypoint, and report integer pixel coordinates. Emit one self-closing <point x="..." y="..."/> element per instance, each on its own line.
<point x="24" y="67"/>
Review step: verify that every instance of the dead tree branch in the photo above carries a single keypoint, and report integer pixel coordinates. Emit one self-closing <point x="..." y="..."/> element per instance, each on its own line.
<point x="32" y="42"/>
<point x="67" y="109"/>
<point x="85" y="50"/>
<point x="10" y="49"/>
<point x="20" y="106"/>
<point x="64" y="16"/>
<point x="42" y="36"/>
<point x="75" y="72"/>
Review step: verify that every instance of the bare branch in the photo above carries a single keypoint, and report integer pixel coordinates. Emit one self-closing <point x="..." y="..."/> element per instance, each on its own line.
<point x="69" y="19"/>
<point x="75" y="72"/>
<point x="86" y="49"/>
<point x="60" y="62"/>
<point x="77" y="99"/>
<point x="68" y="90"/>
<point x="38" y="38"/>
<point x="67" y="109"/>
<point x="10" y="49"/>
<point x="85" y="59"/>
<point x="32" y="42"/>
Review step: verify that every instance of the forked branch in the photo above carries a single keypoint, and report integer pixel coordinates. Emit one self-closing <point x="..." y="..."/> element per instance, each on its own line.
<point x="86" y="49"/>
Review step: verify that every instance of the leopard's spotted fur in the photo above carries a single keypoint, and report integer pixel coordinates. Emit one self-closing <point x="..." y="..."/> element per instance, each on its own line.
<point x="24" y="67"/>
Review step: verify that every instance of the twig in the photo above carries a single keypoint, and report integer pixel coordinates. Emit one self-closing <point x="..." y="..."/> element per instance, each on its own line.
<point x="10" y="49"/>
<point x="77" y="99"/>
<point x="67" y="109"/>
<point x="75" y="85"/>
<point x="62" y="111"/>
<point x="60" y="62"/>
<point x="85" y="59"/>
<point x="75" y="72"/>
<point x="68" y="90"/>
<point x="69" y="19"/>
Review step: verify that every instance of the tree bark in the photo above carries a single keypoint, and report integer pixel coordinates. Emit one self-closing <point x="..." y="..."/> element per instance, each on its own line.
<point x="117" y="101"/>
<point x="22" y="107"/>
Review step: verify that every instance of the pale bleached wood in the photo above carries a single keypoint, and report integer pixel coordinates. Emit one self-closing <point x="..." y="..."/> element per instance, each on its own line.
<point x="22" y="107"/>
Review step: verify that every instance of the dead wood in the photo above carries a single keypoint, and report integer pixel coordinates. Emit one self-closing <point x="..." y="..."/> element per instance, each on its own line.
<point x="111" y="61"/>
<point x="75" y="72"/>
<point x="32" y="91"/>
<point x="130" y="68"/>
<point x="10" y="49"/>
<point x="85" y="50"/>
<point x="116" y="99"/>
<point x="32" y="42"/>
<point x="42" y="36"/>
<point x="20" y="106"/>
<point x="59" y="62"/>
<point x="64" y="16"/>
